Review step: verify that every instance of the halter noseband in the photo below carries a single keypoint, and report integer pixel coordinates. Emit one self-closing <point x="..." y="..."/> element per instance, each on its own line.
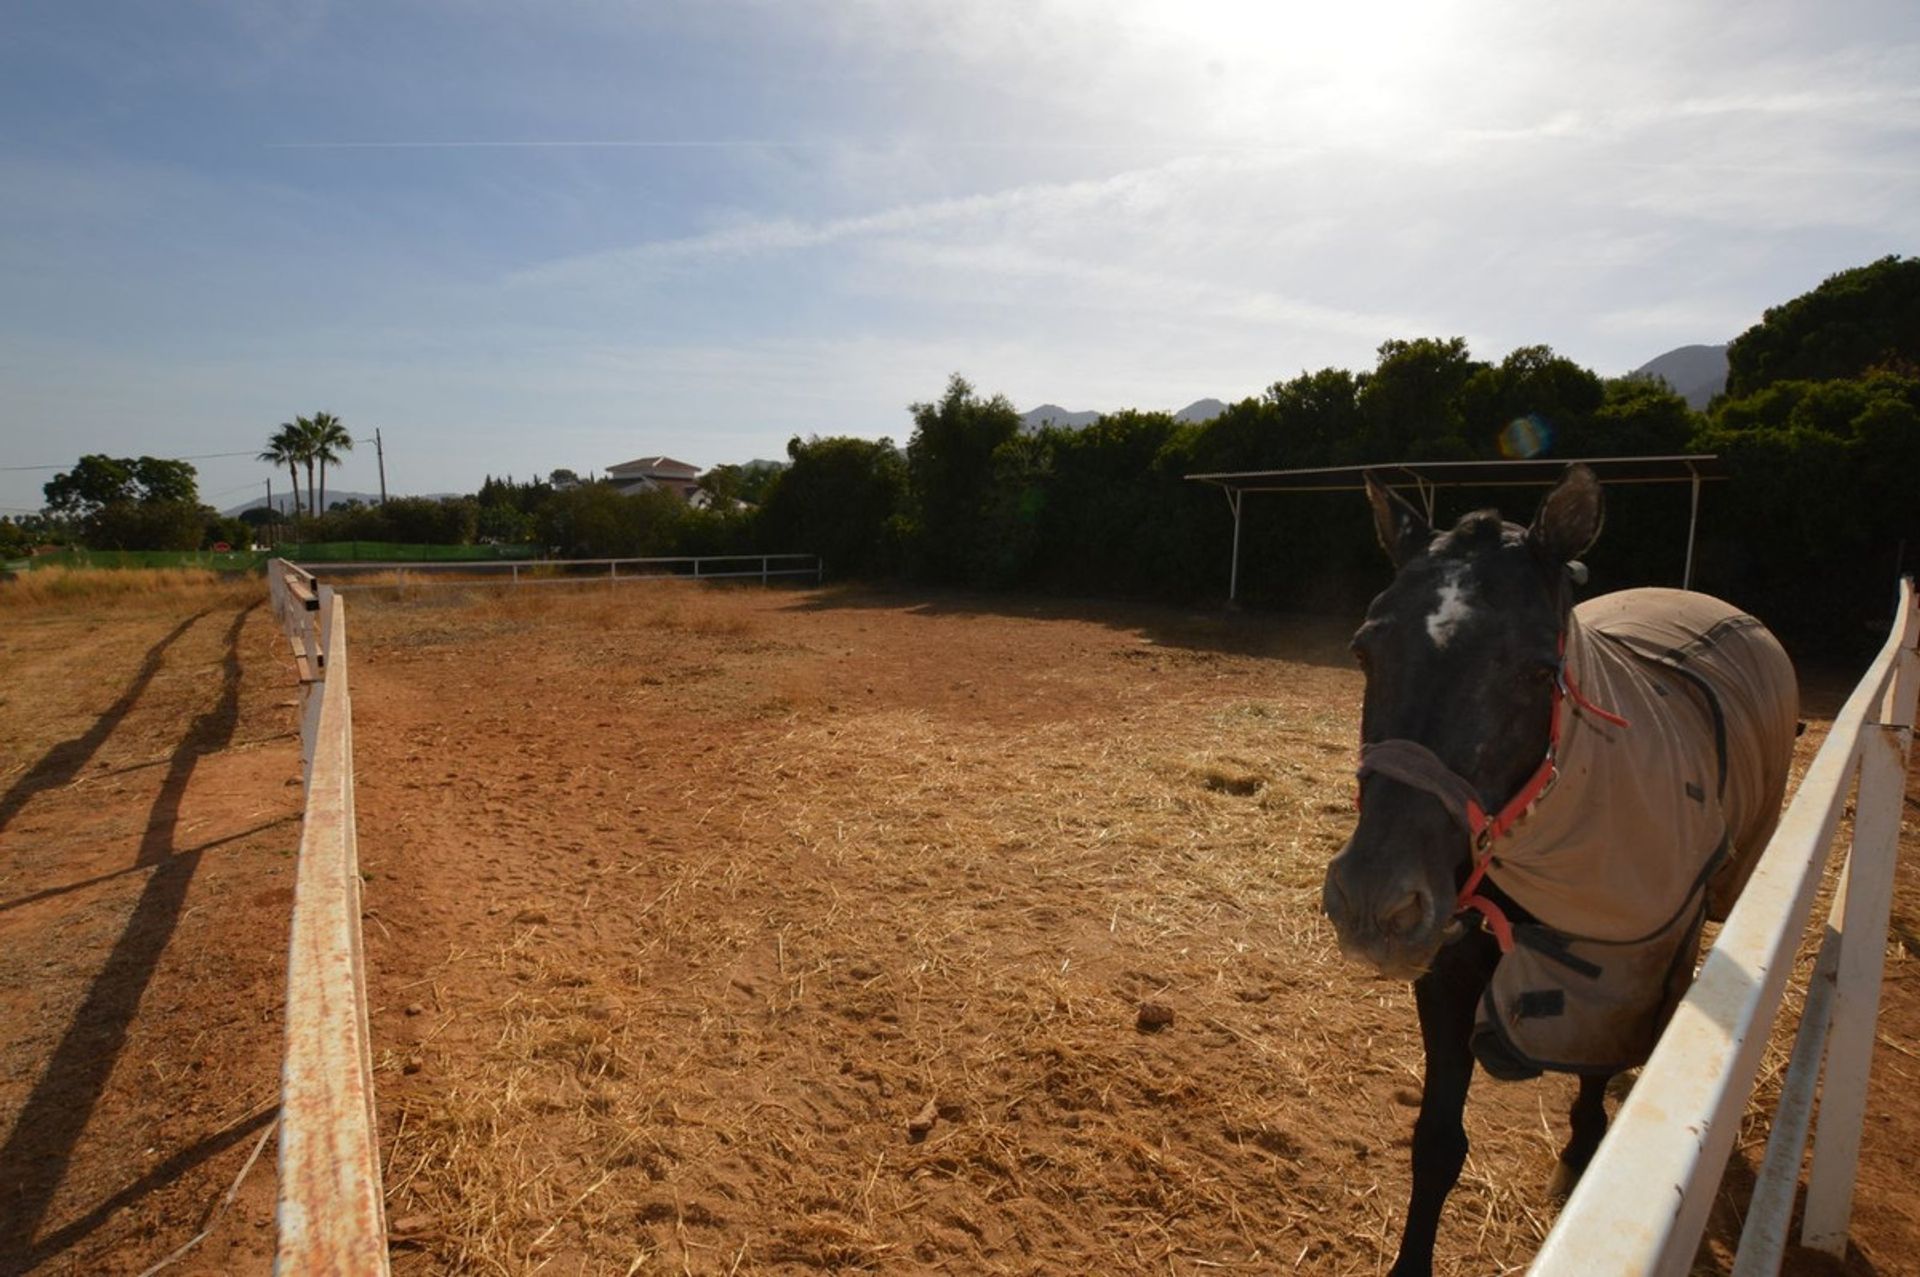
<point x="1412" y="763"/>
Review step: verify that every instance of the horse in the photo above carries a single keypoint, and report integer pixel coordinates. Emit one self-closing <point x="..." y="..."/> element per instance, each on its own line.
<point x="1551" y="800"/>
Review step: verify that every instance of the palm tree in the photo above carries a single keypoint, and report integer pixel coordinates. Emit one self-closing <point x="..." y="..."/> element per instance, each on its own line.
<point x="304" y="432"/>
<point x="284" y="448"/>
<point x="328" y="439"/>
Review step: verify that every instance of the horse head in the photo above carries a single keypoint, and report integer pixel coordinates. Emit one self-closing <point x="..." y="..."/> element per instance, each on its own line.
<point x="1461" y="654"/>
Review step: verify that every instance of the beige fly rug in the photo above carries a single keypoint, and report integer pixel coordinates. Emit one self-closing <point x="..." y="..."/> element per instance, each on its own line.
<point x="1651" y="828"/>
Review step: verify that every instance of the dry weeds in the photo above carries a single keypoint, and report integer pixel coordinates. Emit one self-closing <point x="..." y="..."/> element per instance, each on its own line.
<point x="60" y="589"/>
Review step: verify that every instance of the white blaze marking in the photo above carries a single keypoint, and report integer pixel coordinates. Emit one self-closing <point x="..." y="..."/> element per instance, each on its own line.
<point x="1451" y="611"/>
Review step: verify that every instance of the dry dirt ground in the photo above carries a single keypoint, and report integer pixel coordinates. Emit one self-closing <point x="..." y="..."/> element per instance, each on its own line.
<point x="689" y="909"/>
<point x="149" y="816"/>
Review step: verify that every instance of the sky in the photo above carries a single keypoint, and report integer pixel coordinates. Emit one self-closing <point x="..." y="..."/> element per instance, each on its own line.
<point x="520" y="236"/>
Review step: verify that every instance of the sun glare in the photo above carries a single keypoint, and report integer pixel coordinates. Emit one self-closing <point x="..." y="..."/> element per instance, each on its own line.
<point x="1346" y="70"/>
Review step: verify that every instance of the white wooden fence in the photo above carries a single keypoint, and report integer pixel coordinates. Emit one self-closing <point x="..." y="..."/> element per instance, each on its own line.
<point x="764" y="568"/>
<point x="1643" y="1204"/>
<point x="332" y="1216"/>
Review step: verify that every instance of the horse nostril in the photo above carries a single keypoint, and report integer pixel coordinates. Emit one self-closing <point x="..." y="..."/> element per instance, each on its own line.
<point x="1406" y="917"/>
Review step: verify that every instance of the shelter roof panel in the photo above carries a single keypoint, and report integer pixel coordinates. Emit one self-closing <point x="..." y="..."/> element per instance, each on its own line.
<point x="1476" y="474"/>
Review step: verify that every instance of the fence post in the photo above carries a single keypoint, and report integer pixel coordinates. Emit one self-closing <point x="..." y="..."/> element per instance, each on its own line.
<point x="1863" y="945"/>
<point x="763" y="569"/>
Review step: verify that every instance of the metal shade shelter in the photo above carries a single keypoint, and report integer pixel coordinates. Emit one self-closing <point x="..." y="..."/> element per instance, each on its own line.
<point x="1427" y="477"/>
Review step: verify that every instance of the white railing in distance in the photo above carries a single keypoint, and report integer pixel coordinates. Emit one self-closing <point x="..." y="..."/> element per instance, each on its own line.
<point x="765" y="568"/>
<point x="331" y="1211"/>
<point x="1643" y="1203"/>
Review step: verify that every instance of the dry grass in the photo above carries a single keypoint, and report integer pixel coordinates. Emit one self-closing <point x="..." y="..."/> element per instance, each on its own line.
<point x="51" y="588"/>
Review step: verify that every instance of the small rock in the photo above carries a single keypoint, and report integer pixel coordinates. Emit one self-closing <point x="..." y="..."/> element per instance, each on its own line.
<point x="1154" y="1016"/>
<point x="407" y="1224"/>
<point x="532" y="917"/>
<point x="414" y="1008"/>
<point x="413" y="1065"/>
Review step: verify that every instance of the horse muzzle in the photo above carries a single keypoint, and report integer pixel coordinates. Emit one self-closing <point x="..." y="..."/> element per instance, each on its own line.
<point x="1393" y="923"/>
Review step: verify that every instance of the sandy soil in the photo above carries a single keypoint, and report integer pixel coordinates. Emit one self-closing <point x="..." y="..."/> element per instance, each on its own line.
<point x="754" y="931"/>
<point x="689" y="905"/>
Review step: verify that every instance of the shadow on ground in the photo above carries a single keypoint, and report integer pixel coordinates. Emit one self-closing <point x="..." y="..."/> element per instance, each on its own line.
<point x="1316" y="640"/>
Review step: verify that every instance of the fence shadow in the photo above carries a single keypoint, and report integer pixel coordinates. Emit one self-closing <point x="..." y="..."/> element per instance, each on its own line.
<point x="161" y="1175"/>
<point x="1728" y="1217"/>
<point x="63" y="762"/>
<point x="1301" y="637"/>
<point x="40" y="1147"/>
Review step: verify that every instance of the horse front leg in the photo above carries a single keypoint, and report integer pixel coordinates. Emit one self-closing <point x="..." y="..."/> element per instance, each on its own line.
<point x="1587" y="1120"/>
<point x="1446" y="997"/>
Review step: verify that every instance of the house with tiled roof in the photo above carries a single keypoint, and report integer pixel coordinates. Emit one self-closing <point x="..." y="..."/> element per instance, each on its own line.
<point x="647" y="474"/>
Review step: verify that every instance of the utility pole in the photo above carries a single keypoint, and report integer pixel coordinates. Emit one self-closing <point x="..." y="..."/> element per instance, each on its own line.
<point x="270" y="537"/>
<point x="380" y="451"/>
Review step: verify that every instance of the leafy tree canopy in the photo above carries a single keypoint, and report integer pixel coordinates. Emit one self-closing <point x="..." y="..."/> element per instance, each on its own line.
<point x="950" y="470"/>
<point x="99" y="481"/>
<point x="1859" y="319"/>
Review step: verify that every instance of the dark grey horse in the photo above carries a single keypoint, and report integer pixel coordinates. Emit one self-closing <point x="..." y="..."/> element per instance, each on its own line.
<point x="1552" y="800"/>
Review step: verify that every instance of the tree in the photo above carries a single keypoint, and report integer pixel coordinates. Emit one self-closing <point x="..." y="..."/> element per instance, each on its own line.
<point x="1857" y="320"/>
<point x="285" y="448"/>
<point x="327" y="438"/>
<point x="130" y="503"/>
<point x="1527" y="402"/>
<point x="950" y="473"/>
<point x="1412" y="404"/>
<point x="841" y="499"/>
<point x="97" y="481"/>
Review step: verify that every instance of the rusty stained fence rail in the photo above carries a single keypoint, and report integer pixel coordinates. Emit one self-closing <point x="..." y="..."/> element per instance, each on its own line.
<point x="1643" y="1203"/>
<point x="331" y="1212"/>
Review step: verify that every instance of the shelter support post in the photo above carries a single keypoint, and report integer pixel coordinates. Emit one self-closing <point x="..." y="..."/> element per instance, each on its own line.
<point x="1234" y="498"/>
<point x="1693" y="521"/>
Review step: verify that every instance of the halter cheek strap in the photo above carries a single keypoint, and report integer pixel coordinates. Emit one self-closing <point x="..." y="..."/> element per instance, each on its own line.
<point x="1412" y="763"/>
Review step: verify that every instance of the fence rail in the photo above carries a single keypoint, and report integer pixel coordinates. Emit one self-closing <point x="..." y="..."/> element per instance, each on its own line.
<point x="764" y="568"/>
<point x="1643" y="1203"/>
<point x="332" y="1216"/>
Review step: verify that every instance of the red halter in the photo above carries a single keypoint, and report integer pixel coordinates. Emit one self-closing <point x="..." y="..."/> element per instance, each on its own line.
<point x="1414" y="764"/>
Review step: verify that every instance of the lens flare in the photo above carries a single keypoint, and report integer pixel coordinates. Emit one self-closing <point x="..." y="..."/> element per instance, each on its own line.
<point x="1524" y="437"/>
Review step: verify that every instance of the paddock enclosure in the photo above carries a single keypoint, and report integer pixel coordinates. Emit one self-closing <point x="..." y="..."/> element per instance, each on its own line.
<point x="689" y="908"/>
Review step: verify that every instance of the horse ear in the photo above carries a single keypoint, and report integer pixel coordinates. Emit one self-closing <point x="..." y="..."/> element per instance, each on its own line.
<point x="1569" y="518"/>
<point x="1403" y="531"/>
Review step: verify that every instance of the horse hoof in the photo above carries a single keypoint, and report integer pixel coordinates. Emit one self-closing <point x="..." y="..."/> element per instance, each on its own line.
<point x="1560" y="1187"/>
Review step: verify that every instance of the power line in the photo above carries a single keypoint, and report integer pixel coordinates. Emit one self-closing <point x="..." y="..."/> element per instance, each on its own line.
<point x="203" y="456"/>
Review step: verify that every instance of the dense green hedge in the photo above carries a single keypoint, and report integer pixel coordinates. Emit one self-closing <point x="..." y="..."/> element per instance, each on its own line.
<point x="398" y="552"/>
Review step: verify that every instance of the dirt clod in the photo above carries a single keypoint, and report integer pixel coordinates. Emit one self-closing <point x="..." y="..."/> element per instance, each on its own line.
<point x="1153" y="1017"/>
<point x="922" y="1122"/>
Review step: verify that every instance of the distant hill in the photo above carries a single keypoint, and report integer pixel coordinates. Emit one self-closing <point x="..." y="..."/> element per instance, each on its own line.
<point x="1200" y="410"/>
<point x="1049" y="414"/>
<point x="1696" y="373"/>
<point x="1052" y="414"/>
